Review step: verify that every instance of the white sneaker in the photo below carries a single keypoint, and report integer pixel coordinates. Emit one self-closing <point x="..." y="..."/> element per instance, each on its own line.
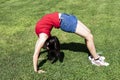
<point x="99" y="62"/>
<point x="100" y="57"/>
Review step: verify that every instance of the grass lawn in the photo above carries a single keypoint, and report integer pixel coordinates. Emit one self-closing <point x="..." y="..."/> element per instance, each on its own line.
<point x="17" y="39"/>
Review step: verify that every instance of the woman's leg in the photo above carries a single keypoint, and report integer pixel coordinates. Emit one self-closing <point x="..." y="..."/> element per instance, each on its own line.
<point x="83" y="31"/>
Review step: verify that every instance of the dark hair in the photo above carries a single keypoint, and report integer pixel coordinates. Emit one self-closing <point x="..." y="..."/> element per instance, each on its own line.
<point x="53" y="47"/>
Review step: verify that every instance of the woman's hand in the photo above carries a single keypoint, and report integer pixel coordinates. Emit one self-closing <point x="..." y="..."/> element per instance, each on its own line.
<point x="40" y="71"/>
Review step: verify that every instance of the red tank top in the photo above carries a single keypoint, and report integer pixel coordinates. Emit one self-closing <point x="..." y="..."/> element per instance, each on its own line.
<point x="47" y="22"/>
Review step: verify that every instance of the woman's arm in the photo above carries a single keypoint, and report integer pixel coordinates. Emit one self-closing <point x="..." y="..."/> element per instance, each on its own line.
<point x="40" y="42"/>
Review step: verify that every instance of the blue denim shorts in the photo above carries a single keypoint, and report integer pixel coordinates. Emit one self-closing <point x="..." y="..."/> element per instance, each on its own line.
<point x="68" y="23"/>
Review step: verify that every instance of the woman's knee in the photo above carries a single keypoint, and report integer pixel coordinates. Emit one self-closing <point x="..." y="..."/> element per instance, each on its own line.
<point x="89" y="37"/>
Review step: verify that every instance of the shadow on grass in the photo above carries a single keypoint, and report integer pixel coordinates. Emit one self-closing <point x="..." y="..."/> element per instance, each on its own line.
<point x="77" y="47"/>
<point x="61" y="58"/>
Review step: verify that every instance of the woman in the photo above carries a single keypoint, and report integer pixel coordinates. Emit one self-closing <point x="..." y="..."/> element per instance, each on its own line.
<point x="67" y="23"/>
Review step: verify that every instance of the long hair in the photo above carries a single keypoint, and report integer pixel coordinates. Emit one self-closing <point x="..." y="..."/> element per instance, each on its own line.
<point x="53" y="47"/>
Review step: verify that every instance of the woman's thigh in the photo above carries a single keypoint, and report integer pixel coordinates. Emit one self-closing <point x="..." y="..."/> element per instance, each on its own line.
<point x="82" y="30"/>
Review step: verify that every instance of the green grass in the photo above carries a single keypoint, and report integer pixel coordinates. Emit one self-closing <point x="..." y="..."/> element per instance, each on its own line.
<point x="17" y="39"/>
